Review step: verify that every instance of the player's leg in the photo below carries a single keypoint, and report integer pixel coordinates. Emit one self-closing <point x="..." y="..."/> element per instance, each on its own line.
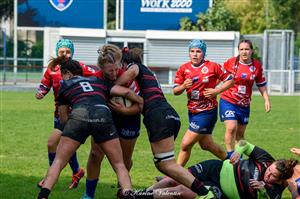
<point x="187" y="143"/>
<point x="207" y="143"/>
<point x="127" y="146"/>
<point x="115" y="157"/>
<point x="65" y="149"/>
<point x="93" y="169"/>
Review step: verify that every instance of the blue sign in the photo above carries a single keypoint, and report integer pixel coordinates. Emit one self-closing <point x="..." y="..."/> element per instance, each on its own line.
<point x="61" y="13"/>
<point x="160" y="14"/>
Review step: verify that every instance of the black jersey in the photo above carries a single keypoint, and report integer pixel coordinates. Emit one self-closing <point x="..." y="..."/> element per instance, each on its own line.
<point x="83" y="91"/>
<point x="255" y="168"/>
<point x="149" y="87"/>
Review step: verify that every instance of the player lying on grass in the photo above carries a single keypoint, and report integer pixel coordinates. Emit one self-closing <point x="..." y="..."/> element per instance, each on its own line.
<point x="90" y="116"/>
<point x="258" y="177"/>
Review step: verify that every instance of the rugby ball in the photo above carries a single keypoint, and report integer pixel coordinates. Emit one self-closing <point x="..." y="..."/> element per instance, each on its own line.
<point x="122" y="100"/>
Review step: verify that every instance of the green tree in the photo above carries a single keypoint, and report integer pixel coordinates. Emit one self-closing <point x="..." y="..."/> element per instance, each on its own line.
<point x="6" y="9"/>
<point x="217" y="18"/>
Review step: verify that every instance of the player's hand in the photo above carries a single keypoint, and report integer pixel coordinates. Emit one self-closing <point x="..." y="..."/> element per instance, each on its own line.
<point x="235" y="158"/>
<point x="117" y="107"/>
<point x="210" y="92"/>
<point x="187" y="83"/>
<point x="295" y="151"/>
<point x="256" y="184"/>
<point x="267" y="106"/>
<point x="39" y="96"/>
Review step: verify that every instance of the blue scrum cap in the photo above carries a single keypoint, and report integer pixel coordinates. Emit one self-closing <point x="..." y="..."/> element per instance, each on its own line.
<point x="196" y="43"/>
<point x="67" y="43"/>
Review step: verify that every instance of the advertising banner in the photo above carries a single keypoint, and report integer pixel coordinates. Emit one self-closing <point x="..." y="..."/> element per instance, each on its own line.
<point x="61" y="13"/>
<point x="159" y="14"/>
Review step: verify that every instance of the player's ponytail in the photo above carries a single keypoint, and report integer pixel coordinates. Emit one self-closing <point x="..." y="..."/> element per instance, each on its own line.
<point x="53" y="62"/>
<point x="285" y="168"/>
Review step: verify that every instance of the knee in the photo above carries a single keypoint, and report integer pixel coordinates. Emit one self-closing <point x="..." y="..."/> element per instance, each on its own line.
<point x="186" y="146"/>
<point x="52" y="144"/>
<point x="205" y="146"/>
<point x="96" y="156"/>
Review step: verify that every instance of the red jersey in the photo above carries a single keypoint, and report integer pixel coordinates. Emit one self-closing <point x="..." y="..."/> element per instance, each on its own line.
<point x="244" y="77"/>
<point x="53" y="78"/>
<point x="132" y="84"/>
<point x="207" y="75"/>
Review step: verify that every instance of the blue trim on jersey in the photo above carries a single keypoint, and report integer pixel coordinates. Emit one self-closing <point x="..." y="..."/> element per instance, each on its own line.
<point x="229" y="111"/>
<point x="203" y="122"/>
<point x="298" y="185"/>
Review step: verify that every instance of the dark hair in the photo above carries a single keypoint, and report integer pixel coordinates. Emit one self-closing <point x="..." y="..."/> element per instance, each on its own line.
<point x="285" y="168"/>
<point x="238" y="57"/>
<point x="246" y="41"/>
<point x="66" y="65"/>
<point x="134" y="55"/>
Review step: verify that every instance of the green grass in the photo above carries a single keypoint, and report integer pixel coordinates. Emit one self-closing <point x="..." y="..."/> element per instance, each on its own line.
<point x="26" y="124"/>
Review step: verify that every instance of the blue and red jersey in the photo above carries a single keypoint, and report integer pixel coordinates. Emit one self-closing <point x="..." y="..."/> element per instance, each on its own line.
<point x="207" y="75"/>
<point x="244" y="77"/>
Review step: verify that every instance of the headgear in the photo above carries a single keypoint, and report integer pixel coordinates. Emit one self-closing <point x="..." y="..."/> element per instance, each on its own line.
<point x="196" y="43"/>
<point x="67" y="43"/>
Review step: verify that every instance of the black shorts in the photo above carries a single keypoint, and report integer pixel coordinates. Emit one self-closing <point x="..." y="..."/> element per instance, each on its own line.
<point x="90" y="120"/>
<point x="208" y="172"/>
<point x="162" y="122"/>
<point x="128" y="126"/>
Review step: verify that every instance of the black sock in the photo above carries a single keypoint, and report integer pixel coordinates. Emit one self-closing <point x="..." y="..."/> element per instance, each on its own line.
<point x="44" y="193"/>
<point x="198" y="187"/>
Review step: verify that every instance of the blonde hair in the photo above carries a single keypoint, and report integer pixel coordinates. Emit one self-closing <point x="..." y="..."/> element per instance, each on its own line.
<point x="109" y="53"/>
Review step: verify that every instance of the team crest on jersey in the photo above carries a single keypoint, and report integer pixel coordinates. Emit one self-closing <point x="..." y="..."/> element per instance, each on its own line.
<point x="244" y="75"/>
<point x="61" y="5"/>
<point x="204" y="70"/>
<point x="252" y="77"/>
<point x="252" y="68"/>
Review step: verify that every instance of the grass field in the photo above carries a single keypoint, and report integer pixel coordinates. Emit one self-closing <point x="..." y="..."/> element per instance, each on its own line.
<point x="26" y="124"/>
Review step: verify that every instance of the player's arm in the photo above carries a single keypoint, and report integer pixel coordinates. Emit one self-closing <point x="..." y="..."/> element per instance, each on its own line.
<point x="212" y="92"/>
<point x="117" y="90"/>
<point x="45" y="85"/>
<point x="264" y="92"/>
<point x="224" y="77"/>
<point x="294" y="188"/>
<point x="128" y="75"/>
<point x="180" y="83"/>
<point x="122" y="109"/>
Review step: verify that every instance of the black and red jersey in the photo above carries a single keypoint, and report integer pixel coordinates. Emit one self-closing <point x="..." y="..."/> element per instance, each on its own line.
<point x="84" y="91"/>
<point x="149" y="87"/>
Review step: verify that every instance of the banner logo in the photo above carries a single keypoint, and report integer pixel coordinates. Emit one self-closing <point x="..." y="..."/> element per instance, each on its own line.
<point x="167" y="6"/>
<point x="61" y="5"/>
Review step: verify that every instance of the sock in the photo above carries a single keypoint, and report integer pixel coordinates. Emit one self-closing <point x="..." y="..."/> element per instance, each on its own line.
<point x="229" y="154"/>
<point x="51" y="157"/>
<point x="44" y="193"/>
<point x="198" y="187"/>
<point x="74" y="163"/>
<point x="90" y="187"/>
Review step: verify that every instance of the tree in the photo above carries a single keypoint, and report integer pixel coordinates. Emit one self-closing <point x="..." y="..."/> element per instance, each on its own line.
<point x="6" y="9"/>
<point x="217" y="18"/>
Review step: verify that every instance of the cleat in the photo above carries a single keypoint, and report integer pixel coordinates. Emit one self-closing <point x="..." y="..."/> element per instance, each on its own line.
<point x="41" y="183"/>
<point x="86" y="196"/>
<point x="76" y="178"/>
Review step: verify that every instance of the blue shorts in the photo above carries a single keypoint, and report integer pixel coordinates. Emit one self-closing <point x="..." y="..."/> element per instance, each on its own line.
<point x="128" y="127"/>
<point x="204" y="122"/>
<point x="229" y="111"/>
<point x="57" y="123"/>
